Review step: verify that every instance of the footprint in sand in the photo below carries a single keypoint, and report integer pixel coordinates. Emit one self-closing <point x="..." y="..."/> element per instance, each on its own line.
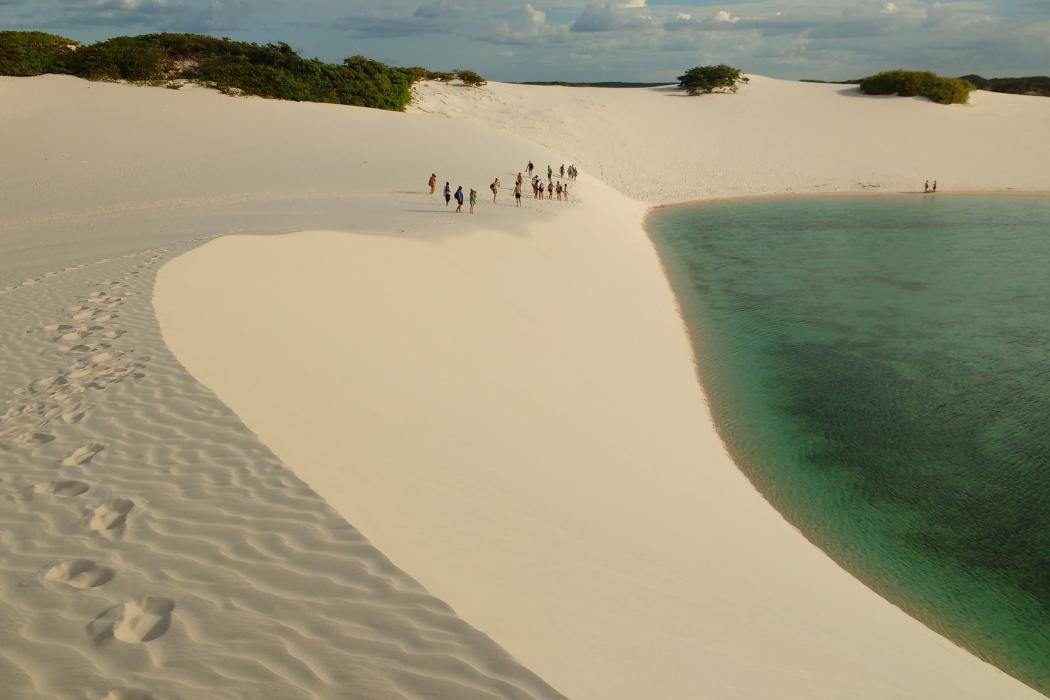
<point x="133" y="622"/>
<point x="67" y="488"/>
<point x="83" y="455"/>
<point x="34" y="438"/>
<point x="75" y="415"/>
<point x="80" y="573"/>
<point x="111" y="515"/>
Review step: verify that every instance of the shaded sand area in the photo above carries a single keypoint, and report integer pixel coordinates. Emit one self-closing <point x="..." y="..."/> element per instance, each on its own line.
<point x="503" y="405"/>
<point x="507" y="406"/>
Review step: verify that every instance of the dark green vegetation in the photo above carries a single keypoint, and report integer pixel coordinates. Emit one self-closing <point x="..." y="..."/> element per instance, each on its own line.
<point x="235" y="67"/>
<point x="708" y="79"/>
<point x="33" y="53"/>
<point x="910" y="83"/>
<point x="878" y="369"/>
<point x="470" y="78"/>
<point x="1034" y="85"/>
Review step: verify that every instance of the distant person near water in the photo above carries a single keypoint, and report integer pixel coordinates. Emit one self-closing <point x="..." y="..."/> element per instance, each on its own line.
<point x="459" y="199"/>
<point x="517" y="195"/>
<point x="433" y="181"/>
<point x="473" y="200"/>
<point x="934" y="188"/>
<point x="448" y="193"/>
<point x="927" y="187"/>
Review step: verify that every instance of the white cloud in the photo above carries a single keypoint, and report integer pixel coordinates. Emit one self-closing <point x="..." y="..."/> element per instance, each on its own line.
<point x="530" y="26"/>
<point x="608" y="17"/>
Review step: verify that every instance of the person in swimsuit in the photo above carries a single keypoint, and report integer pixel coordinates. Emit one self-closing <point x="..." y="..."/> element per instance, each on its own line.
<point x="550" y="190"/>
<point x="517" y="195"/>
<point x="495" y="189"/>
<point x="448" y="194"/>
<point x="557" y="191"/>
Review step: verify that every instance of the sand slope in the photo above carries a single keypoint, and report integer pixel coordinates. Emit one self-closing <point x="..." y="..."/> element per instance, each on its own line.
<point x="772" y="137"/>
<point x="150" y="545"/>
<point x="506" y="404"/>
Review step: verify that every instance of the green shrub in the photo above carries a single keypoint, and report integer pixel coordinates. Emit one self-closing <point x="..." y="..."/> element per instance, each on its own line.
<point x="906" y="83"/>
<point x="708" y="79"/>
<point x="34" y="53"/>
<point x="233" y="67"/>
<point x="470" y="78"/>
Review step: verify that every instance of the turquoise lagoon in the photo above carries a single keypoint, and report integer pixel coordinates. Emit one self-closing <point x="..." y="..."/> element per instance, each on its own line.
<point x="880" y="369"/>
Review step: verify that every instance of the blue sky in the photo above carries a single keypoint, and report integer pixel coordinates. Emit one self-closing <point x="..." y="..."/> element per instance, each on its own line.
<point x="645" y="40"/>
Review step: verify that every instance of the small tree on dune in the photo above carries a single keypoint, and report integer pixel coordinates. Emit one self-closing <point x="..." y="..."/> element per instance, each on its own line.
<point x="707" y="79"/>
<point x="470" y="78"/>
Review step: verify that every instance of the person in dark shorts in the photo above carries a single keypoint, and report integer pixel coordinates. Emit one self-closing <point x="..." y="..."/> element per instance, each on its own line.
<point x="517" y="195"/>
<point x="459" y="199"/>
<point x="448" y="194"/>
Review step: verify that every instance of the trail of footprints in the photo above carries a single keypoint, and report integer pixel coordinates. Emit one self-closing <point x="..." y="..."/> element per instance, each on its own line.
<point x="35" y="418"/>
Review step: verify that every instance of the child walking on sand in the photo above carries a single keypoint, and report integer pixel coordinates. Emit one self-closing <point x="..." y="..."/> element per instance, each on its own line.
<point x="473" y="200"/>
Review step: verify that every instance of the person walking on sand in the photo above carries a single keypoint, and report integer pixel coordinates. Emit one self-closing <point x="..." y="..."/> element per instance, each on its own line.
<point x="433" y="181"/>
<point x="529" y="168"/>
<point x="550" y="172"/>
<point x="448" y="193"/>
<point x="517" y="195"/>
<point x="934" y="188"/>
<point x="557" y="191"/>
<point x="459" y="199"/>
<point x="550" y="190"/>
<point x="562" y="171"/>
<point x="565" y="191"/>
<point x="927" y="187"/>
<point x="473" y="200"/>
<point x="495" y="189"/>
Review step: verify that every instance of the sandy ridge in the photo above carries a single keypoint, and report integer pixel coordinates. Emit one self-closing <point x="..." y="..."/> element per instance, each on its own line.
<point x="152" y="548"/>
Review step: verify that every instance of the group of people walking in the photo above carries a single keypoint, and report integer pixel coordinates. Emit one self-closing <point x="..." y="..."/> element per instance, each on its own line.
<point x="459" y="197"/>
<point x="550" y="190"/>
<point x="928" y="189"/>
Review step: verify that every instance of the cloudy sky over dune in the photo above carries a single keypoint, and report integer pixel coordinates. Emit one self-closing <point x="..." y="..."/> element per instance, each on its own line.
<point x="647" y="40"/>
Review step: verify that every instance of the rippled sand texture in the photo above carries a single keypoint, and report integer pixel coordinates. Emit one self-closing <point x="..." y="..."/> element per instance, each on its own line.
<point x="151" y="546"/>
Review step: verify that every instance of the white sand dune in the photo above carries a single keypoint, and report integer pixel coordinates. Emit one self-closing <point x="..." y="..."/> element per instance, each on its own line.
<point x="150" y="545"/>
<point x="504" y="404"/>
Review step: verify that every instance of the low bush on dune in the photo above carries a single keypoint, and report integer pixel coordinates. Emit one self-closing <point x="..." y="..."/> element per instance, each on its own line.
<point x="906" y="83"/>
<point x="470" y="78"/>
<point x="34" y="53"/>
<point x="270" y="70"/>
<point x="708" y="79"/>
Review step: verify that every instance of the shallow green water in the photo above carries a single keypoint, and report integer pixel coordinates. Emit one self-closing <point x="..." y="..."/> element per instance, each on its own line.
<point x="880" y="368"/>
